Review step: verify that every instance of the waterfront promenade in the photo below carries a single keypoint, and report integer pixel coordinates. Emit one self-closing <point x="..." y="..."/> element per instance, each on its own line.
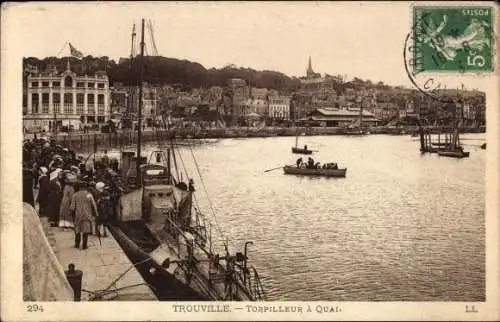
<point x="107" y="272"/>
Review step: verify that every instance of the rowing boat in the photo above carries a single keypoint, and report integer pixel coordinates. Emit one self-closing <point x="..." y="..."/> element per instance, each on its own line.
<point x="339" y="173"/>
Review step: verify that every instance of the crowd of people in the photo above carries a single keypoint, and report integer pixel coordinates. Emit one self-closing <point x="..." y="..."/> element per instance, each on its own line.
<point x="73" y="192"/>
<point x="310" y="164"/>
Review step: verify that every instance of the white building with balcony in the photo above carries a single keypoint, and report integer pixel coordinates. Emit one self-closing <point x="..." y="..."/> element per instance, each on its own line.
<point x="65" y="99"/>
<point x="279" y="107"/>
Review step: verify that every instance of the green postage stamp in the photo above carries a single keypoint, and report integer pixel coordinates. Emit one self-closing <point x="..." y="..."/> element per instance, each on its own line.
<point x="453" y="39"/>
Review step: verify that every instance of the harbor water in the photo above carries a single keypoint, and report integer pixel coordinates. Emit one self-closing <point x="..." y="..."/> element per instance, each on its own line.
<point x="401" y="225"/>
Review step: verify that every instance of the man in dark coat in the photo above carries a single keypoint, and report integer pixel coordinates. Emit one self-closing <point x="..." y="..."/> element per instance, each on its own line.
<point x="28" y="195"/>
<point x="43" y="192"/>
<point x="54" y="197"/>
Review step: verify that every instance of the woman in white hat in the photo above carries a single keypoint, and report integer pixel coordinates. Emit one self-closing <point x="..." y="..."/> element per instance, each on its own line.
<point x="65" y="214"/>
<point x="102" y="214"/>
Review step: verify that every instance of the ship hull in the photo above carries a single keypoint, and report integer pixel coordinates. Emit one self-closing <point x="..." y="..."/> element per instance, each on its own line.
<point x="301" y="151"/>
<point x="454" y="154"/>
<point x="164" y="284"/>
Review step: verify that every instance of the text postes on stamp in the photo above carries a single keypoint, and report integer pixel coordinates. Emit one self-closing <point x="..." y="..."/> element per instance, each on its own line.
<point x="453" y="39"/>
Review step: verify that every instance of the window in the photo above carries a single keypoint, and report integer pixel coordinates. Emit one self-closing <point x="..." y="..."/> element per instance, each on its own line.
<point x="45" y="102"/>
<point x="91" y="103"/>
<point x="56" y="98"/>
<point x="100" y="99"/>
<point x="56" y="84"/>
<point x="45" y="84"/>
<point x="100" y="85"/>
<point x="45" y="98"/>
<point x="34" y="102"/>
<point x="68" y="81"/>
<point x="34" y="84"/>
<point x="90" y="85"/>
<point x="80" y="97"/>
<point x="68" y="103"/>
<point x="68" y="98"/>
<point x="80" y="84"/>
<point x="79" y="103"/>
<point x="90" y="99"/>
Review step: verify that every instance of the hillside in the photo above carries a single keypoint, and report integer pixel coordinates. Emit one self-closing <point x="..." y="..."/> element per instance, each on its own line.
<point x="162" y="70"/>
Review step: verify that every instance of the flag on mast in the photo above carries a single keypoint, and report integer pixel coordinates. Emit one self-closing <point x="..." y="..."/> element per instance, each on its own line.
<point x="75" y="52"/>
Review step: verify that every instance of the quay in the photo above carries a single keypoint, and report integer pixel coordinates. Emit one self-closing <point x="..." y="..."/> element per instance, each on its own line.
<point x="108" y="274"/>
<point x="129" y="137"/>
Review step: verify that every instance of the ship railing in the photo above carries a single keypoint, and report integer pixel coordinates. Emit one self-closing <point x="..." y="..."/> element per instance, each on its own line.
<point x="247" y="277"/>
<point x="252" y="283"/>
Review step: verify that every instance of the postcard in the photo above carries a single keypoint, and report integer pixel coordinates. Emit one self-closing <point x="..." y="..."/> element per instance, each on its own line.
<point x="250" y="161"/>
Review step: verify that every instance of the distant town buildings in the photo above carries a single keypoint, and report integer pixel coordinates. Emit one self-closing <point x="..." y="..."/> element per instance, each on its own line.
<point x="67" y="99"/>
<point x="314" y="82"/>
<point x="54" y="100"/>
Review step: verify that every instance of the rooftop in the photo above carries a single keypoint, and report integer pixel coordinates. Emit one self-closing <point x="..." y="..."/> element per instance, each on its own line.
<point x="341" y="112"/>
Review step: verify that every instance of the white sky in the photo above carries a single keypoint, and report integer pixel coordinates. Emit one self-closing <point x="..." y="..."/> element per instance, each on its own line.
<point x="365" y="40"/>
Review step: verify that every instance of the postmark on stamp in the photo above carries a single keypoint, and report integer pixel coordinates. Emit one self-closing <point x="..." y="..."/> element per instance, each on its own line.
<point x="453" y="39"/>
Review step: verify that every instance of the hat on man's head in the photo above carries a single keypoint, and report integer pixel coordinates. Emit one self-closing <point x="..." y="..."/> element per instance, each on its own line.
<point x="54" y="174"/>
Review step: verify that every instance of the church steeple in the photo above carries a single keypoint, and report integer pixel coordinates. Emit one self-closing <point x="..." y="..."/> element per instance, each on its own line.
<point x="310" y="71"/>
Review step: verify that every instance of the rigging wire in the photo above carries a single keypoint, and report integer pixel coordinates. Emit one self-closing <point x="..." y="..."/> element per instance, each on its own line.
<point x="175" y="144"/>
<point x="151" y="33"/>
<point x="208" y="198"/>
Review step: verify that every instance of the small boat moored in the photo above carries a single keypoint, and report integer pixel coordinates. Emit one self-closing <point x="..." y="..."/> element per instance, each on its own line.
<point x="323" y="172"/>
<point x="454" y="154"/>
<point x="301" y="150"/>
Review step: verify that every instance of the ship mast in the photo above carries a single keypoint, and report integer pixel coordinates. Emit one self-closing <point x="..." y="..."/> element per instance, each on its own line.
<point x="139" y="112"/>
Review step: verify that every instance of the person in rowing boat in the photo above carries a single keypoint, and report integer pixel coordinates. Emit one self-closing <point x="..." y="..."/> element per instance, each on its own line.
<point x="305" y="147"/>
<point x="310" y="163"/>
<point x="299" y="162"/>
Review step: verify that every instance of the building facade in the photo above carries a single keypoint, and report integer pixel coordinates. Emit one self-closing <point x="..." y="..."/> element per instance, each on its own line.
<point x="150" y="104"/>
<point x="240" y="94"/>
<point x="335" y="117"/>
<point x="54" y="100"/>
<point x="279" y="107"/>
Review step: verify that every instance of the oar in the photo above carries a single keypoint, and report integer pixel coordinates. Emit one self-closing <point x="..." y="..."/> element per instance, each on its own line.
<point x="276" y="168"/>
